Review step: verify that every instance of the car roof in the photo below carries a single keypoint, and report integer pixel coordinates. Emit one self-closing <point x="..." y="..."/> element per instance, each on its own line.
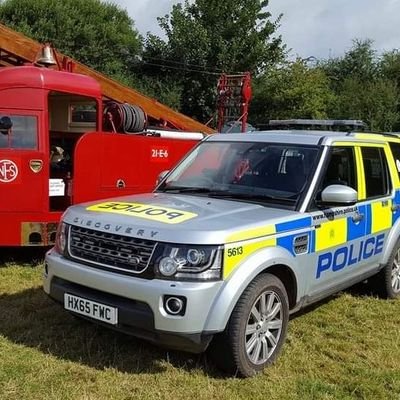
<point x="304" y="137"/>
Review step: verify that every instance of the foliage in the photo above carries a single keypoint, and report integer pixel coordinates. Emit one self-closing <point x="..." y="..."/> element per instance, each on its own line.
<point x="366" y="86"/>
<point x="96" y="33"/>
<point x="390" y="66"/>
<point x="207" y="37"/>
<point x="165" y="89"/>
<point x="375" y="102"/>
<point x="294" y="90"/>
<point x="359" y="62"/>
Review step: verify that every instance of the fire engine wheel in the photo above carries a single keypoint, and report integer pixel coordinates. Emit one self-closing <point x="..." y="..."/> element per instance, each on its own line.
<point x="387" y="282"/>
<point x="257" y="327"/>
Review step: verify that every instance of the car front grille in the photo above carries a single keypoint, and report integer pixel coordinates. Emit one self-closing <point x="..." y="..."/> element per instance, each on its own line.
<point x="111" y="251"/>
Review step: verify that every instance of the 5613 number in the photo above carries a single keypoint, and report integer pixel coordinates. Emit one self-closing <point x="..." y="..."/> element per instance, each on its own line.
<point x="235" y="251"/>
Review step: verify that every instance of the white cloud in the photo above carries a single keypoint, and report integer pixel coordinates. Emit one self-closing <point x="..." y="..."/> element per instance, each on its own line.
<point x="321" y="28"/>
<point x="324" y="28"/>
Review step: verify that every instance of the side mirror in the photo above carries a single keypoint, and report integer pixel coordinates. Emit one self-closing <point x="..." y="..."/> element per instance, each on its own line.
<point x="161" y="176"/>
<point x="338" y="195"/>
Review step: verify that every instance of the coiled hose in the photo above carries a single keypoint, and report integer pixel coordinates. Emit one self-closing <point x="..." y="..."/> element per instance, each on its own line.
<point x="124" y="117"/>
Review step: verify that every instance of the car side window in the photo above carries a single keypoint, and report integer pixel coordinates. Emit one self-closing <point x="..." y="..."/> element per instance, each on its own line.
<point x="341" y="168"/>
<point x="376" y="171"/>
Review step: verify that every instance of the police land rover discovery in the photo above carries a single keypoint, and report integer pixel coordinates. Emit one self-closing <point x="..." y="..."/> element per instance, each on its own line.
<point x="247" y="229"/>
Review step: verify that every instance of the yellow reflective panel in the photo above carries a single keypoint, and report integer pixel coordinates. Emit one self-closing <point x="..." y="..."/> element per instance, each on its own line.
<point x="381" y="213"/>
<point x="147" y="211"/>
<point x="331" y="234"/>
<point x="235" y="253"/>
<point x="251" y="233"/>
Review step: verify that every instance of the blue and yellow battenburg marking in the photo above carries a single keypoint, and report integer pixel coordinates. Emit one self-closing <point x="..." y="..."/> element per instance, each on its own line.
<point x="146" y="211"/>
<point x="346" y="256"/>
<point x="287" y="241"/>
<point x="378" y="216"/>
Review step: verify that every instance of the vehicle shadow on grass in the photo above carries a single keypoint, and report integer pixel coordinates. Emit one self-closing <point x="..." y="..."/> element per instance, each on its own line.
<point x="359" y="290"/>
<point x="364" y="289"/>
<point x="32" y="319"/>
<point x="24" y="256"/>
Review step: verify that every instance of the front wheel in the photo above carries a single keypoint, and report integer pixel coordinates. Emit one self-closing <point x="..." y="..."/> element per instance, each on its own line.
<point x="257" y="327"/>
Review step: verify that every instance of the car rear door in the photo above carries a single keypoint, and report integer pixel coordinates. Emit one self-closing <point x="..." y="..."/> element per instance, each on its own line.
<point x="380" y="200"/>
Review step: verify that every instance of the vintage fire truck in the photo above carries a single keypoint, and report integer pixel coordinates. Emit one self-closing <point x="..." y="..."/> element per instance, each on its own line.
<point x="62" y="141"/>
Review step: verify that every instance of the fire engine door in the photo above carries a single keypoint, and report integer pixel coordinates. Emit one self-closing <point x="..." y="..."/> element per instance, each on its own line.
<point x="23" y="177"/>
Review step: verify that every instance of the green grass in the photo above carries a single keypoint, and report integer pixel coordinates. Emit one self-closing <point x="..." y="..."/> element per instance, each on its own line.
<point x="345" y="348"/>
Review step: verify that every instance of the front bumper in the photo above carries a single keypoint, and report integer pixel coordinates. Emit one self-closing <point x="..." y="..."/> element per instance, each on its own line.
<point x="139" y="301"/>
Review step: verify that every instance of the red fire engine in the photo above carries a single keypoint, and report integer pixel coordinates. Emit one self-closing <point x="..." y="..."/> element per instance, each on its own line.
<point x="54" y="148"/>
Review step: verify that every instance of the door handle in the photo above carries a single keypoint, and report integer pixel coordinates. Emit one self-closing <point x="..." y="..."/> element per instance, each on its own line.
<point x="358" y="217"/>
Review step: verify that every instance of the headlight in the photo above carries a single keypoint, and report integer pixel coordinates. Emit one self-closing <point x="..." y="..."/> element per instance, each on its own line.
<point x="187" y="262"/>
<point x="61" y="238"/>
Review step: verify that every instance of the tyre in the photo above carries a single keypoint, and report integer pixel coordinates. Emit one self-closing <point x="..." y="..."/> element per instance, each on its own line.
<point x="256" y="329"/>
<point x="387" y="281"/>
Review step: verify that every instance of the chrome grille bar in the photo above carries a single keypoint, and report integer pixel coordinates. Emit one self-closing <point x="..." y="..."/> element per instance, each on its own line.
<point x="116" y="252"/>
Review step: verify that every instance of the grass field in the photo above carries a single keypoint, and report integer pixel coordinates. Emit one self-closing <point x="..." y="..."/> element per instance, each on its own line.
<point x="346" y="348"/>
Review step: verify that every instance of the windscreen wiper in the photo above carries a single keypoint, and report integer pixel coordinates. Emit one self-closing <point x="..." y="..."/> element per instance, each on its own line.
<point x="186" y="189"/>
<point x="211" y="192"/>
<point x="249" y="196"/>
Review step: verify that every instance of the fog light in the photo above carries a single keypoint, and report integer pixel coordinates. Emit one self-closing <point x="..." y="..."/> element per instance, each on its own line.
<point x="175" y="305"/>
<point x="46" y="269"/>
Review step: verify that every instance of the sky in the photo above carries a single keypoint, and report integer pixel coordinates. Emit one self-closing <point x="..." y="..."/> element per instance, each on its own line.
<point x="318" y="28"/>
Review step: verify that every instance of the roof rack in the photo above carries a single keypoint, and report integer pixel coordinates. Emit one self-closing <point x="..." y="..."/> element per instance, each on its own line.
<point x="320" y="124"/>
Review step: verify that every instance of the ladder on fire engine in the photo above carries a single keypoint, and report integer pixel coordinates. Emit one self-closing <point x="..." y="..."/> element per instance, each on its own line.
<point x="234" y="94"/>
<point x="17" y="49"/>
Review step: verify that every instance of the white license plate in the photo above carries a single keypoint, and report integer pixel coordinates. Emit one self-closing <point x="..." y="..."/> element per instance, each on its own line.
<point x="91" y="309"/>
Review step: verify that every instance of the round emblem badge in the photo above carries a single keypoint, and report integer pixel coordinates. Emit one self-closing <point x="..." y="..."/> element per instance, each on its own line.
<point x="8" y="171"/>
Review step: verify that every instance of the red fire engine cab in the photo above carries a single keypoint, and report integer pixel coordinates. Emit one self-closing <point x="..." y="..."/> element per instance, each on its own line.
<point x="54" y="150"/>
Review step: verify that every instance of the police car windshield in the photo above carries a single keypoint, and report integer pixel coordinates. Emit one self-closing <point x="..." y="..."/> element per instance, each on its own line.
<point x="261" y="172"/>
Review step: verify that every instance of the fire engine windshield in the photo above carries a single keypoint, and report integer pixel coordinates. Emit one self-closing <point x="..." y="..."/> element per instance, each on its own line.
<point x="259" y="172"/>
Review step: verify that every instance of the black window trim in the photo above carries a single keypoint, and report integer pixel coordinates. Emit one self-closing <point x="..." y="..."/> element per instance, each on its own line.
<point x="386" y="171"/>
<point x="312" y="207"/>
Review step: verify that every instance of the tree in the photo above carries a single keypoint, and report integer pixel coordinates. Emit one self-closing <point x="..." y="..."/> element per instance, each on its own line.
<point x="390" y="70"/>
<point x="390" y="66"/>
<point x="207" y="37"/>
<point x="375" y="102"/>
<point x="360" y="62"/>
<point x="98" y="34"/>
<point x="294" y="90"/>
<point x="366" y="86"/>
